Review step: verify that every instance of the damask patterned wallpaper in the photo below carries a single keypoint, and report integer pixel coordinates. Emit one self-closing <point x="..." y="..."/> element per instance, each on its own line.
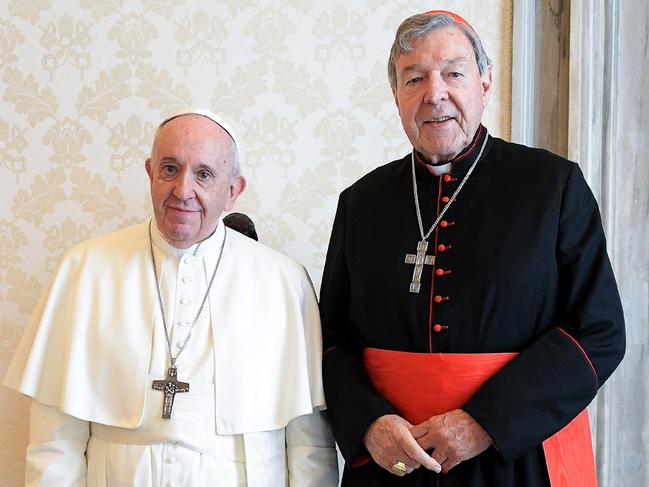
<point x="83" y="84"/>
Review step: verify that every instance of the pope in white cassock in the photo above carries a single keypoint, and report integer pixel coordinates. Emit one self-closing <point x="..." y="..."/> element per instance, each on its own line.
<point x="177" y="352"/>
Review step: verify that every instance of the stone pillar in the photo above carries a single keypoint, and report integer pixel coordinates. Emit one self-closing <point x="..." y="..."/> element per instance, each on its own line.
<point x="540" y="74"/>
<point x="600" y="119"/>
<point x="608" y="130"/>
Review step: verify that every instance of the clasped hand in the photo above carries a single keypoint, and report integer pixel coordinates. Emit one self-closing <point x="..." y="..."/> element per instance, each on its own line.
<point x="453" y="437"/>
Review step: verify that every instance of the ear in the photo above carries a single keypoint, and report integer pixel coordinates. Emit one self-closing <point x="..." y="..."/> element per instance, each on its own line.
<point x="149" y="169"/>
<point x="236" y="188"/>
<point x="486" y="81"/>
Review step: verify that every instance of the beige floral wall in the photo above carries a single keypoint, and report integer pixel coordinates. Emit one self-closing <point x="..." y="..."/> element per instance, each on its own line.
<point x="83" y="84"/>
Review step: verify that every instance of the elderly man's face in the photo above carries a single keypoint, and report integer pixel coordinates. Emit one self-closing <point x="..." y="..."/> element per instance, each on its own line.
<point x="191" y="179"/>
<point x="440" y="94"/>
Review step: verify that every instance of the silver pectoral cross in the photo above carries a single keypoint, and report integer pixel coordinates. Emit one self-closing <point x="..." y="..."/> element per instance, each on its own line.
<point x="420" y="259"/>
<point x="170" y="386"/>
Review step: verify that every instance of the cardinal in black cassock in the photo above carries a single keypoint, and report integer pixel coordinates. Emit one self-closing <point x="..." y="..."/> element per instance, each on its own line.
<point x="516" y="266"/>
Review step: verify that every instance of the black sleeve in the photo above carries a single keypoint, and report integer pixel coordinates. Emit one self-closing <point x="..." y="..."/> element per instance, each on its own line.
<point x="557" y="376"/>
<point x="352" y="403"/>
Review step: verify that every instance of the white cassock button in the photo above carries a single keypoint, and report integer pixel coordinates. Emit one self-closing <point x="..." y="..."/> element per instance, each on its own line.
<point x="181" y="323"/>
<point x="179" y="343"/>
<point x="185" y="301"/>
<point x="187" y="280"/>
<point x="187" y="259"/>
<point x="172" y="460"/>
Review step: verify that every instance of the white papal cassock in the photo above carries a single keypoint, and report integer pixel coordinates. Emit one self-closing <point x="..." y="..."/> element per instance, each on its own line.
<point x="96" y="342"/>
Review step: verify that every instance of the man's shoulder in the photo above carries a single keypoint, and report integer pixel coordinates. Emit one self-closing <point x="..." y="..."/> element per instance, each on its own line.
<point x="265" y="257"/>
<point x="112" y="245"/>
<point x="526" y="157"/>
<point x="379" y="178"/>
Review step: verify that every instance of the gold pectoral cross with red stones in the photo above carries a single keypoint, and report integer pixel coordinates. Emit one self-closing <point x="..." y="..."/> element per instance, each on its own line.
<point x="420" y="259"/>
<point x="170" y="386"/>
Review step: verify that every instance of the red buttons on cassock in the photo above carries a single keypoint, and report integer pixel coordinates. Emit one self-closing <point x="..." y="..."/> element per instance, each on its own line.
<point x="437" y="327"/>
<point x="439" y="272"/>
<point x="443" y="248"/>
<point x="447" y="178"/>
<point x="443" y="224"/>
<point x="445" y="199"/>
<point x="439" y="299"/>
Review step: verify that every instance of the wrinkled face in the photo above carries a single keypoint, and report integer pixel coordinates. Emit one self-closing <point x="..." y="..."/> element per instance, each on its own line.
<point x="190" y="171"/>
<point x="440" y="94"/>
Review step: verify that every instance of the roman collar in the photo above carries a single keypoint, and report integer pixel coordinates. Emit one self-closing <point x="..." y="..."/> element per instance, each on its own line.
<point x="463" y="161"/>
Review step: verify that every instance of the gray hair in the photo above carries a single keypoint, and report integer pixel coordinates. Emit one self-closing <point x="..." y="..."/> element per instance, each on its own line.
<point x="419" y="26"/>
<point x="234" y="160"/>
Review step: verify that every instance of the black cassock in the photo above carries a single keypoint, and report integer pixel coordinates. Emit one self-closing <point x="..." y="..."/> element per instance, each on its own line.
<point x="521" y="266"/>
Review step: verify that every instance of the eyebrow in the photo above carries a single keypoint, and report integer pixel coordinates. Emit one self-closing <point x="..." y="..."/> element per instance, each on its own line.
<point x="199" y="167"/>
<point x="449" y="62"/>
<point x="203" y="166"/>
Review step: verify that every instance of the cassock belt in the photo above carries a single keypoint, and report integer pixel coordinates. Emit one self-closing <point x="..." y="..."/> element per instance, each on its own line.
<point x="421" y="385"/>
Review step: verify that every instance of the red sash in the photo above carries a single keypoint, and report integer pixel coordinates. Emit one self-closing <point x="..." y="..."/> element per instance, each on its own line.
<point x="421" y="385"/>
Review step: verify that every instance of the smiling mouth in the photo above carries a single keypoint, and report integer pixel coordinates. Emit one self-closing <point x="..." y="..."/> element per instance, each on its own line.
<point x="182" y="210"/>
<point x="439" y="120"/>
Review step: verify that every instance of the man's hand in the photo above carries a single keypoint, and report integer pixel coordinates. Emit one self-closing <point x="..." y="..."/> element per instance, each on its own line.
<point x="389" y="441"/>
<point x="453" y="436"/>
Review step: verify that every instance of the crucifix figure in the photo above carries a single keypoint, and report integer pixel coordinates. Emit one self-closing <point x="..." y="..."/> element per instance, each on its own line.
<point x="170" y="386"/>
<point x="420" y="259"/>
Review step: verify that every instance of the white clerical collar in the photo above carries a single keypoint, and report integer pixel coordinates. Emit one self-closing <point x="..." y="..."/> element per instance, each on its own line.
<point x="209" y="246"/>
<point x="439" y="170"/>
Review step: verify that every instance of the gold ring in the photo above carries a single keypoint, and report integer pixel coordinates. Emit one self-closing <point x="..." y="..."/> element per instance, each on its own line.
<point x="399" y="468"/>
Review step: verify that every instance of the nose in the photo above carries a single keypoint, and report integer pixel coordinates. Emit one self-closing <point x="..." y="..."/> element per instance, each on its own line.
<point x="435" y="89"/>
<point x="184" y="186"/>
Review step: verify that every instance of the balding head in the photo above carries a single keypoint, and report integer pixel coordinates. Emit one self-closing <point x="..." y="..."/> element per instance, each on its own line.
<point x="234" y="157"/>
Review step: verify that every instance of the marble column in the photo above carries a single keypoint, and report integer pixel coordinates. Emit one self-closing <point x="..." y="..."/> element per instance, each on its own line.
<point x="540" y="74"/>
<point x="608" y="130"/>
<point x="599" y="118"/>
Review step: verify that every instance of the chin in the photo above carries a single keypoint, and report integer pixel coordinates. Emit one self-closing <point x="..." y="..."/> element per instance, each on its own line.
<point x="448" y="150"/>
<point x="179" y="236"/>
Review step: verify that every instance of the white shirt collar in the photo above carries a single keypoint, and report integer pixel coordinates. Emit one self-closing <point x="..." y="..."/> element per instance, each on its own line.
<point x="208" y="247"/>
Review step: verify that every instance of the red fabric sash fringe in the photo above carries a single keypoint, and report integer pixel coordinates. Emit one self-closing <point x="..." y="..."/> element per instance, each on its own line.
<point x="421" y="385"/>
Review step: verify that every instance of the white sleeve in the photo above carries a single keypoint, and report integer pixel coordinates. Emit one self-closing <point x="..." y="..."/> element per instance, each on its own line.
<point x="56" y="452"/>
<point x="310" y="451"/>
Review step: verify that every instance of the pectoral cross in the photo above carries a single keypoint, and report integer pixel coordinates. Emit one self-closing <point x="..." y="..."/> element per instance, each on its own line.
<point x="420" y="259"/>
<point x="170" y="386"/>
